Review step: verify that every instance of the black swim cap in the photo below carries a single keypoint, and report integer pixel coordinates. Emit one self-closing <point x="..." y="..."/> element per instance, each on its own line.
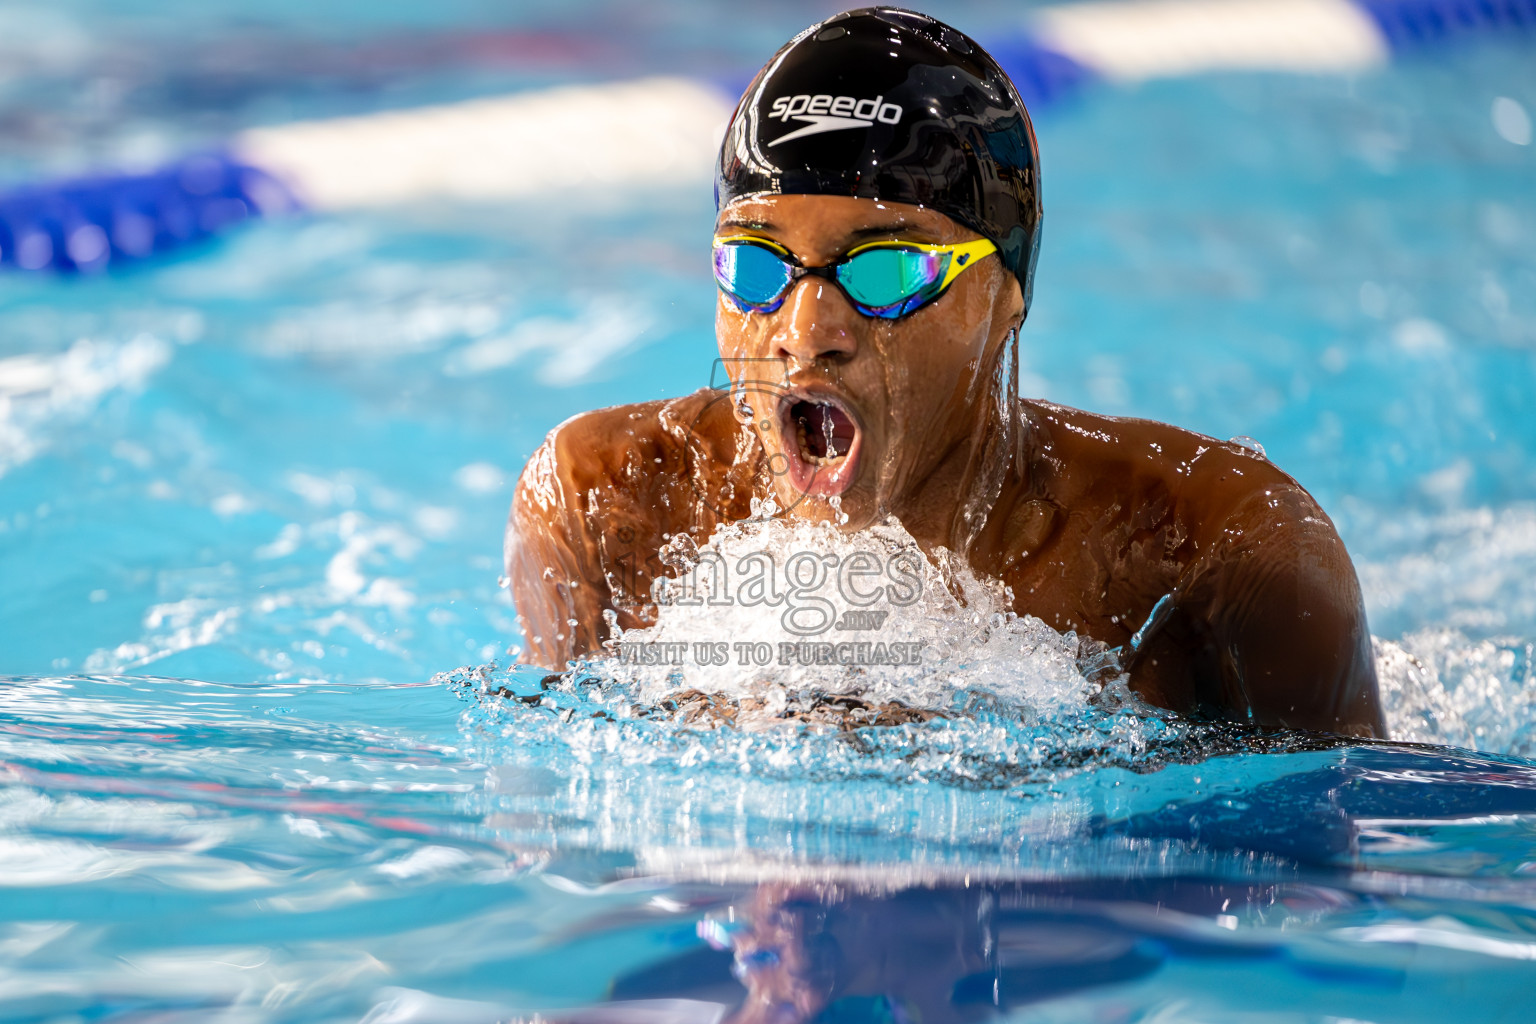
<point x="889" y="104"/>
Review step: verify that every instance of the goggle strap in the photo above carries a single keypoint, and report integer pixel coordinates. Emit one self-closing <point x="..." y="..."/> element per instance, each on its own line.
<point x="964" y="255"/>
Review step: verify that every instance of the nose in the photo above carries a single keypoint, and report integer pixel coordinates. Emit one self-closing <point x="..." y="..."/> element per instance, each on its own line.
<point x="815" y="323"/>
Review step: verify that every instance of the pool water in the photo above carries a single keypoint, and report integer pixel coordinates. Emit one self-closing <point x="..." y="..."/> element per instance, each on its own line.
<point x="262" y="755"/>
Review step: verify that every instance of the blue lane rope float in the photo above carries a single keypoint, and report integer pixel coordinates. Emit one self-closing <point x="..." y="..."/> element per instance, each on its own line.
<point x="588" y="135"/>
<point x="1042" y="76"/>
<point x="87" y="223"/>
<point x="1410" y="24"/>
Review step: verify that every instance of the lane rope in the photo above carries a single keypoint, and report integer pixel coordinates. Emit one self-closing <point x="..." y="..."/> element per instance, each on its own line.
<point x="662" y="132"/>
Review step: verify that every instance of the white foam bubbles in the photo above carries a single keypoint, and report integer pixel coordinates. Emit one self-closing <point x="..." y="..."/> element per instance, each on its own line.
<point x="1467" y="569"/>
<point x="769" y="608"/>
<point x="1439" y="686"/>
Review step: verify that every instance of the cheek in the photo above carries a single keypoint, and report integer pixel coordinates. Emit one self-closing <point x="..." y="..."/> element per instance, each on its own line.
<point x="937" y="357"/>
<point x="730" y="329"/>
<point x="938" y="375"/>
<point x="932" y="361"/>
<point x="961" y="347"/>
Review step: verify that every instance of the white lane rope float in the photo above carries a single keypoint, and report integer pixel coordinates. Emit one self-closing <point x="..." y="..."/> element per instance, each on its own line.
<point x="541" y="143"/>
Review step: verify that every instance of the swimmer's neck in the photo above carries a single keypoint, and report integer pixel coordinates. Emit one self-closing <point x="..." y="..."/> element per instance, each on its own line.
<point x="968" y="493"/>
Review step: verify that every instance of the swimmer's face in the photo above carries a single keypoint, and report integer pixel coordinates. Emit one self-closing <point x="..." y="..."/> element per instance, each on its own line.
<point x="867" y="410"/>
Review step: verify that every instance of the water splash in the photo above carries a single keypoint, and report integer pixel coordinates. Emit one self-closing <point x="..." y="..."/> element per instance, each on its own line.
<point x="1468" y="569"/>
<point x="981" y="747"/>
<point x="967" y="749"/>
<point x="769" y="609"/>
<point x="1439" y="686"/>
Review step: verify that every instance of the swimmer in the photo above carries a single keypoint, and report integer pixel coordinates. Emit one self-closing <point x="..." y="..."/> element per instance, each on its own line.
<point x="879" y="219"/>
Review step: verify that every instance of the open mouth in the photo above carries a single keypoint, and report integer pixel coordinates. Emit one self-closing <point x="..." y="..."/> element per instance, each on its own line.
<point x="821" y="443"/>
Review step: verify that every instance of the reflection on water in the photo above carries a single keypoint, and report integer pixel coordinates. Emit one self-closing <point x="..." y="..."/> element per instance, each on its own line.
<point x="313" y="852"/>
<point x="1363" y="935"/>
<point x="1067" y="950"/>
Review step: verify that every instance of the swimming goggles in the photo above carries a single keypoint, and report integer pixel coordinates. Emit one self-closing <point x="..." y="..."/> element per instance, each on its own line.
<point x="886" y="279"/>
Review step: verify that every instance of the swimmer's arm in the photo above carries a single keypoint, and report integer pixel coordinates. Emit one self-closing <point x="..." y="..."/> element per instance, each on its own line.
<point x="592" y="508"/>
<point x="552" y="564"/>
<point x="1288" y="620"/>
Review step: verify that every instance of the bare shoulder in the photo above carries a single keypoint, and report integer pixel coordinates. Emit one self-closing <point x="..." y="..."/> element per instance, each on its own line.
<point x="594" y="447"/>
<point x="1268" y="621"/>
<point x="622" y="446"/>
<point x="593" y="506"/>
<point x="1088" y="455"/>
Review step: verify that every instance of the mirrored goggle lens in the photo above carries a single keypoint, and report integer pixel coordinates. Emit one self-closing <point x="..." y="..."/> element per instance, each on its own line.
<point x="886" y="280"/>
<point x="753" y="274"/>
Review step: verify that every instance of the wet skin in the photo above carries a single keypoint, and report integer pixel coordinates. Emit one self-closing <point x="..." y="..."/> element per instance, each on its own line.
<point x="1089" y="519"/>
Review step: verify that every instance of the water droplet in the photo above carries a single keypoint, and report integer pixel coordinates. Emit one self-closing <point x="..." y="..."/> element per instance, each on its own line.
<point x="1244" y="441"/>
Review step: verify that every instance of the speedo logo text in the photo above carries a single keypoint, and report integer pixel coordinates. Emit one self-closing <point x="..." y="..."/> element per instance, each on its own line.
<point x="823" y="113"/>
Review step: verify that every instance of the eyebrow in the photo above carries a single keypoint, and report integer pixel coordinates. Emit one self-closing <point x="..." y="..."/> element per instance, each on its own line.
<point x="749" y="225"/>
<point x="853" y="236"/>
<point x="891" y="229"/>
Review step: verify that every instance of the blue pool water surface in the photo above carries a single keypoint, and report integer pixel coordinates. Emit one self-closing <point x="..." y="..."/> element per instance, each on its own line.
<point x="251" y="505"/>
